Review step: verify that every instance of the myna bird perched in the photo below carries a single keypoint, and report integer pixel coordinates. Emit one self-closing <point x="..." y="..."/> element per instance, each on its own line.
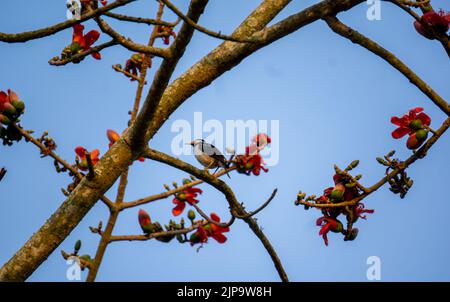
<point x="209" y="156"/>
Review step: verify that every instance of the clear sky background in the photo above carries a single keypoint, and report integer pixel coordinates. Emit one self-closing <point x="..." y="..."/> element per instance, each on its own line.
<point x="333" y="99"/>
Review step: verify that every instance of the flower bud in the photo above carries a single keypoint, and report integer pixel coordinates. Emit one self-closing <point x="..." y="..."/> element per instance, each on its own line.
<point x="186" y="181"/>
<point x="191" y="215"/>
<point x="416" y="124"/>
<point x="112" y="135"/>
<point x="145" y="222"/>
<point x="77" y="246"/>
<point x="421" y="135"/>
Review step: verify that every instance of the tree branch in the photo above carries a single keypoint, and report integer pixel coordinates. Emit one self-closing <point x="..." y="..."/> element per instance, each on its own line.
<point x="236" y="208"/>
<point x="51" y="30"/>
<point x="354" y="36"/>
<point x="419" y="154"/>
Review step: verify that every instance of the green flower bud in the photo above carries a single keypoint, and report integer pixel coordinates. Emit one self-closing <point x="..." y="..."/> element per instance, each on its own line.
<point x="352" y="165"/>
<point x="416" y="124"/>
<point x="191" y="215"/>
<point x="19" y="105"/>
<point x="77" y="246"/>
<point x="186" y="181"/>
<point x="337" y="195"/>
<point x="421" y="135"/>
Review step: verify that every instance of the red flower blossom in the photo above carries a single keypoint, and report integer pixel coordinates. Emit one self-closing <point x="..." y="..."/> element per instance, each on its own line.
<point x="201" y="236"/>
<point x="210" y="230"/>
<point x="187" y="195"/>
<point x="410" y="123"/>
<point x="248" y="164"/>
<point x="328" y="224"/>
<point x="165" y="33"/>
<point x="82" y="160"/>
<point x="81" y="43"/>
<point x="216" y="231"/>
<point x="437" y="21"/>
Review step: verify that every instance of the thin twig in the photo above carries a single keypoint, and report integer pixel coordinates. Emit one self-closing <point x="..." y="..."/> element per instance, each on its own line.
<point x="264" y="205"/>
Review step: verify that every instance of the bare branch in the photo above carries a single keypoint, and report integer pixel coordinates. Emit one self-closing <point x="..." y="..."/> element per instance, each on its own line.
<point x="354" y="36"/>
<point x="128" y="43"/>
<point x="204" y="29"/>
<point x="141" y="20"/>
<point x="51" y="30"/>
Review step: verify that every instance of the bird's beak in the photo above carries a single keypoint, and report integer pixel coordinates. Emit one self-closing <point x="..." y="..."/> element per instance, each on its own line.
<point x="191" y="143"/>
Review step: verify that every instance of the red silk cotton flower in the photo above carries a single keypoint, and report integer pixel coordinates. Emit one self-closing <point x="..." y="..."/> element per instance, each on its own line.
<point x="252" y="161"/>
<point x="210" y="230"/>
<point x="415" y="124"/>
<point x="188" y="195"/>
<point x="410" y="123"/>
<point x="82" y="159"/>
<point x="328" y="224"/>
<point x="433" y="21"/>
<point x="82" y="42"/>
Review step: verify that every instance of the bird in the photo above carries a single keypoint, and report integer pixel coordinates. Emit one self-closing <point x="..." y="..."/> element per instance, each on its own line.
<point x="209" y="156"/>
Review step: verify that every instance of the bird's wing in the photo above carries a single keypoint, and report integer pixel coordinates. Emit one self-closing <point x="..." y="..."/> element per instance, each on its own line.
<point x="212" y="151"/>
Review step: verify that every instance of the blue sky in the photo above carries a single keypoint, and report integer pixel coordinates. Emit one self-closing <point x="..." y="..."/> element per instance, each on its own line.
<point x="333" y="101"/>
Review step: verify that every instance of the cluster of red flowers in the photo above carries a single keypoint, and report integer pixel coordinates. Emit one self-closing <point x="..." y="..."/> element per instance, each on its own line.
<point x="210" y="230"/>
<point x="165" y="32"/>
<point x="415" y="124"/>
<point x="252" y="161"/>
<point x="433" y="22"/>
<point x="134" y="64"/>
<point x="11" y="107"/>
<point x="81" y="43"/>
<point x="343" y="190"/>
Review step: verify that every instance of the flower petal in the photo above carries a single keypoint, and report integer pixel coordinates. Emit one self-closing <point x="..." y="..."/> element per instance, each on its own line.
<point x="219" y="237"/>
<point x="179" y="208"/>
<point x="91" y="37"/>
<point x="400" y="132"/>
<point x="424" y="118"/>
